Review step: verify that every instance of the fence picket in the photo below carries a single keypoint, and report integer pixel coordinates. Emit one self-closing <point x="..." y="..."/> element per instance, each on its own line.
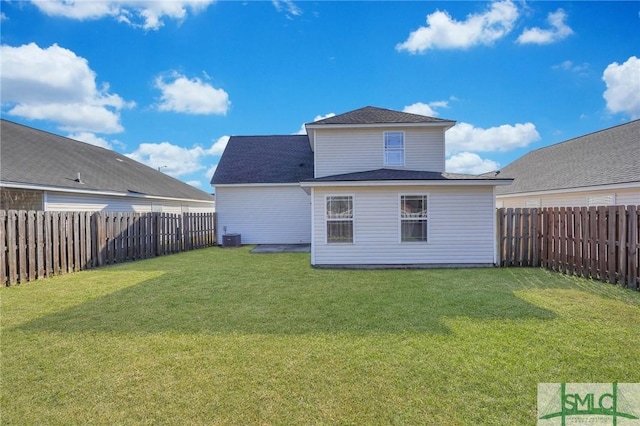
<point x="633" y="251"/>
<point x="3" y="246"/>
<point x="35" y="245"/>
<point x="31" y="245"/>
<point x="601" y="243"/>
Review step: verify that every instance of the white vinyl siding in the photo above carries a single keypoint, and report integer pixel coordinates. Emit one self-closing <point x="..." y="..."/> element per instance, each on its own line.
<point x="620" y="197"/>
<point x="265" y="214"/>
<point x="461" y="227"/>
<point x="61" y="201"/>
<point x="357" y="150"/>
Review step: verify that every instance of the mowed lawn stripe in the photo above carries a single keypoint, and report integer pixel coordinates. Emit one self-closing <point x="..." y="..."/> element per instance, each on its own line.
<point x="221" y="336"/>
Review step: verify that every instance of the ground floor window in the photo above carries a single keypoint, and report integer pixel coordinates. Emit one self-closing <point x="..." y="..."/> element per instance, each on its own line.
<point x="339" y="214"/>
<point x="413" y="218"/>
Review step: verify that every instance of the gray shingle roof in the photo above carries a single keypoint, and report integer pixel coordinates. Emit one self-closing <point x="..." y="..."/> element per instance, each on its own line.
<point x="265" y="159"/>
<point x="32" y="156"/>
<point x="374" y="115"/>
<point x="394" y="174"/>
<point x="609" y="156"/>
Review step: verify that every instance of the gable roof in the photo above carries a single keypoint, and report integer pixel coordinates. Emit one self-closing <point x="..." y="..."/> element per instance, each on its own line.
<point x="265" y="159"/>
<point x="374" y="115"/>
<point x="32" y="157"/>
<point x="609" y="156"/>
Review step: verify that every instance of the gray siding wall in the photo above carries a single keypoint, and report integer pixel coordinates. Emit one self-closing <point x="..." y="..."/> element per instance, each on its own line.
<point x="264" y="214"/>
<point x="461" y="227"/>
<point x="620" y="197"/>
<point x="357" y="150"/>
<point x="60" y="201"/>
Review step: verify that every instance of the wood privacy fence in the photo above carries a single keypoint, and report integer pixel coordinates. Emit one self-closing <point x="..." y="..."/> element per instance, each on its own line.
<point x="40" y="244"/>
<point x="602" y="243"/>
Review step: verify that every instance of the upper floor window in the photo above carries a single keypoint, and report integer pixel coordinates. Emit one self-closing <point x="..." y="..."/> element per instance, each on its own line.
<point x="339" y="214"/>
<point x="394" y="149"/>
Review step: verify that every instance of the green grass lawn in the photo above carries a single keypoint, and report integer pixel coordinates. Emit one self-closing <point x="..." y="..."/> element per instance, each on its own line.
<point x="222" y="336"/>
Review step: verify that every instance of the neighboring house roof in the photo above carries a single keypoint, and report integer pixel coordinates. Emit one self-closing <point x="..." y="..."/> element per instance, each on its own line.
<point x="394" y="174"/>
<point x="374" y="115"/>
<point x="265" y="159"/>
<point x="609" y="156"/>
<point x="34" y="158"/>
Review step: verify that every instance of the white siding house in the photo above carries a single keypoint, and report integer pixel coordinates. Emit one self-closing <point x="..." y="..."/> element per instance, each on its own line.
<point x="460" y="227"/>
<point x="265" y="214"/>
<point x="598" y="169"/>
<point x="43" y="171"/>
<point x="374" y="193"/>
<point x="340" y="151"/>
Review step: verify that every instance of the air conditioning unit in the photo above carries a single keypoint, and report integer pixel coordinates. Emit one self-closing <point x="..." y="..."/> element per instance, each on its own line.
<point x="231" y="240"/>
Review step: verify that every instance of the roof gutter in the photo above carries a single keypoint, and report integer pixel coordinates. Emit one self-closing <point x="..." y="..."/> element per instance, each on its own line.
<point x="446" y="124"/>
<point x="628" y="185"/>
<point x="95" y="192"/>
<point x="369" y="183"/>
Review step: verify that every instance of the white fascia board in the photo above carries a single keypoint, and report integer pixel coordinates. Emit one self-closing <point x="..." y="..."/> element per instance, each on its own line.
<point x="253" y="185"/>
<point x="406" y="183"/>
<point x="629" y="185"/>
<point x="96" y="192"/>
<point x="446" y="125"/>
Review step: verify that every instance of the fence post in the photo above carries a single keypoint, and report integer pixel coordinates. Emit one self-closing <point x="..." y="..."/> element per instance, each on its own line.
<point x="634" y="248"/>
<point x="622" y="245"/>
<point x="3" y="248"/>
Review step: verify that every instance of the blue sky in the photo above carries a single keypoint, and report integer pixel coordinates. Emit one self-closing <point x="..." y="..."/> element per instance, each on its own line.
<point x="167" y="82"/>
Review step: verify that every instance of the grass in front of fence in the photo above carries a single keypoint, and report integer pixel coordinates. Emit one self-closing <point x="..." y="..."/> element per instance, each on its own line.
<point x="221" y="336"/>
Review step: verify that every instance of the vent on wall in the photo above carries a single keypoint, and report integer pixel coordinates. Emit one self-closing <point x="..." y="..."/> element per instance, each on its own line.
<point x="601" y="200"/>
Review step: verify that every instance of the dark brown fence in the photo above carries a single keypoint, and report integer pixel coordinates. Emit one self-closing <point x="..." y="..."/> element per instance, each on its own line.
<point x="602" y="243"/>
<point x="40" y="244"/>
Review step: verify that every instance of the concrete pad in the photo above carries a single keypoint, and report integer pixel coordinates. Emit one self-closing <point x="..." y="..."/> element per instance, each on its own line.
<point x="282" y="248"/>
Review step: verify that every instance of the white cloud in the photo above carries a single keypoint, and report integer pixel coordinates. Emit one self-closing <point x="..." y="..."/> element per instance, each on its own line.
<point x="191" y="96"/>
<point x="623" y="87"/>
<point x="176" y="160"/>
<point x="211" y="171"/>
<point x="288" y="7"/>
<point x="173" y="159"/>
<point x="559" y="30"/>
<point x="570" y="66"/>
<point x="465" y="137"/>
<point x="218" y="146"/>
<point x="56" y="84"/>
<point x="443" y="32"/>
<point x="144" y="14"/>
<point x="426" y="109"/>
<point x="91" y="138"/>
<point x="303" y="129"/>
<point x="468" y="162"/>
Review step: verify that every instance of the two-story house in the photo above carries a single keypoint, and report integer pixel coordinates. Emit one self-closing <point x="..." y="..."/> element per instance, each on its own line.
<point x="367" y="187"/>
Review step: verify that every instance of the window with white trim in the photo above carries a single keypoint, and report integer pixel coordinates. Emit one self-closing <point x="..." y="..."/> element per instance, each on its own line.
<point x="339" y="214"/>
<point x="413" y="218"/>
<point x="394" y="148"/>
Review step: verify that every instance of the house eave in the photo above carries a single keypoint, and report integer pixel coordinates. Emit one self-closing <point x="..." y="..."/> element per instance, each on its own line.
<point x="253" y="185"/>
<point x="383" y="183"/>
<point x="606" y="187"/>
<point x="38" y="187"/>
<point x="442" y="124"/>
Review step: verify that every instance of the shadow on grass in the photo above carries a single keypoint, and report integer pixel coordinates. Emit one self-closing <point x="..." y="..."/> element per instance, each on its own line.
<point x="281" y="294"/>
